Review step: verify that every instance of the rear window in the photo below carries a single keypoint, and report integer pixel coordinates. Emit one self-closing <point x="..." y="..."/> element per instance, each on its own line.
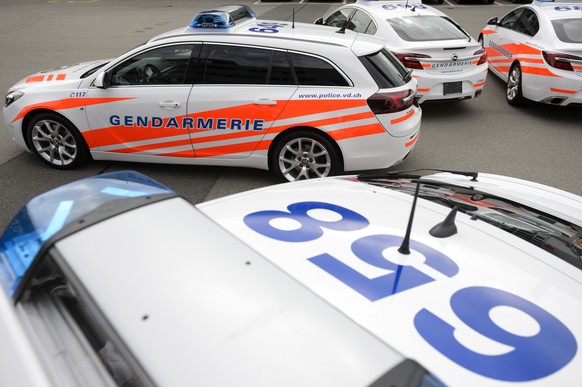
<point x="386" y="69"/>
<point x="313" y="71"/>
<point x="568" y="30"/>
<point x="426" y="28"/>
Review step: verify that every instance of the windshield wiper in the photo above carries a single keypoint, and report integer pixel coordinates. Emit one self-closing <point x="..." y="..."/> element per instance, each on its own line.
<point x="409" y="175"/>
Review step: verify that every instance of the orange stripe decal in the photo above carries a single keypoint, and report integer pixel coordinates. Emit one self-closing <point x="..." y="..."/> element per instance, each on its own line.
<point x="537" y="71"/>
<point x="403" y="118"/>
<point x="145" y="148"/>
<point x="563" y="91"/>
<point x="479" y="84"/>
<point x="61" y="77"/>
<point x="36" y="78"/>
<point x="67" y="103"/>
<point x="487" y="32"/>
<point x="423" y="90"/>
<point x="357" y="131"/>
<point x="409" y="143"/>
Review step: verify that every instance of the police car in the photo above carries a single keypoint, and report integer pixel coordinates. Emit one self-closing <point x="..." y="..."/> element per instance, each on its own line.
<point x="537" y="49"/>
<point x="463" y="279"/>
<point x="445" y="60"/>
<point x="227" y="90"/>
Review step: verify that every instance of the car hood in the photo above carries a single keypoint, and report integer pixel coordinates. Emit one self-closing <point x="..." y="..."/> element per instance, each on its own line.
<point x="342" y="240"/>
<point x="65" y="73"/>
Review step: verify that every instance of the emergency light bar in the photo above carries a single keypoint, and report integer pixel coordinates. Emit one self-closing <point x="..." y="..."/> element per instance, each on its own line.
<point x="223" y="17"/>
<point x="47" y="214"/>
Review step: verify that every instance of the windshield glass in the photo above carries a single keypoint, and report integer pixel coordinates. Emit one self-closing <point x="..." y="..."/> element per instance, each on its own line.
<point x="558" y="237"/>
<point x="568" y="30"/>
<point x="426" y="28"/>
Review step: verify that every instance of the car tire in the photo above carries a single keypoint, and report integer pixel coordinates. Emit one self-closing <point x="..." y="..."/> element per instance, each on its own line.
<point x="56" y="141"/>
<point x="490" y="1"/>
<point x="304" y="155"/>
<point x="440" y="1"/>
<point x="514" y="92"/>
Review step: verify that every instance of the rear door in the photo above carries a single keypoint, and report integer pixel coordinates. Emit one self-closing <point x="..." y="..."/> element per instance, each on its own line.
<point x="238" y="96"/>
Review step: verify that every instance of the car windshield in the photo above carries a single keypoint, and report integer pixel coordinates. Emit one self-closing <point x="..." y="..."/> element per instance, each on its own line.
<point x="568" y="30"/>
<point x="421" y="28"/>
<point x="557" y="236"/>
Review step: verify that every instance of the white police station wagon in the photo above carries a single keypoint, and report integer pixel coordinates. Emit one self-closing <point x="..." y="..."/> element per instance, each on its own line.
<point x="461" y="279"/>
<point x="446" y="61"/>
<point x="537" y="49"/>
<point x="227" y="90"/>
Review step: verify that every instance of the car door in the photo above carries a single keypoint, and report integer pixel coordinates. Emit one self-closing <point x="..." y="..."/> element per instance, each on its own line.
<point x="239" y="95"/>
<point x="504" y="43"/>
<point x="148" y="117"/>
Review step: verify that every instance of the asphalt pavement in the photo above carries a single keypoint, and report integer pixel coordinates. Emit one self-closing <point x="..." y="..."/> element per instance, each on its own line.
<point x="536" y="142"/>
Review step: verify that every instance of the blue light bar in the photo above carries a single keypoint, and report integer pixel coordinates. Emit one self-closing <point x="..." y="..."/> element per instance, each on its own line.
<point x="212" y="19"/>
<point x="223" y="17"/>
<point x="45" y="215"/>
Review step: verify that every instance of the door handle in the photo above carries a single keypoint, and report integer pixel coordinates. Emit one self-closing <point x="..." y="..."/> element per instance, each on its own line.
<point x="169" y="104"/>
<point x="264" y="101"/>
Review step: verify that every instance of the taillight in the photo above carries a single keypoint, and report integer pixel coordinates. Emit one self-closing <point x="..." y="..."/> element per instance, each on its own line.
<point x="560" y="61"/>
<point x="483" y="54"/>
<point x="391" y="102"/>
<point x="410" y="60"/>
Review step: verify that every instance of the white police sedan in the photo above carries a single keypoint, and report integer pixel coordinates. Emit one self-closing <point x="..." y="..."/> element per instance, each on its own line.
<point x="537" y="49"/>
<point x="456" y="278"/>
<point x="226" y="90"/>
<point x="446" y="61"/>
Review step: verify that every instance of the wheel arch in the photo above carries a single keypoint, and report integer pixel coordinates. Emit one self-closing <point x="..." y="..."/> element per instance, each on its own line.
<point x="295" y="129"/>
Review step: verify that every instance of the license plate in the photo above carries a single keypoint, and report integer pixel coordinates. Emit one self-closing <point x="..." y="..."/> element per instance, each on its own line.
<point x="452" y="88"/>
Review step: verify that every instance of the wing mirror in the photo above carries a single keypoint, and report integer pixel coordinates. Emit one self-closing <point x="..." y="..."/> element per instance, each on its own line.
<point x="493" y="21"/>
<point x="103" y="80"/>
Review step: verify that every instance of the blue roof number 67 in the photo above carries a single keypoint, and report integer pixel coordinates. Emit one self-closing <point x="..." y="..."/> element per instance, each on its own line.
<point x="551" y="347"/>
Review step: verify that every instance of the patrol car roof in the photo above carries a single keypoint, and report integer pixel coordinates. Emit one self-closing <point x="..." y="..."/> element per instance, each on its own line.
<point x="360" y="43"/>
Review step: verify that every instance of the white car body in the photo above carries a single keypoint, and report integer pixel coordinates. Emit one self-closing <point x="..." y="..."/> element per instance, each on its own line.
<point x="179" y="118"/>
<point x="446" y="61"/>
<point x="537" y="49"/>
<point x="296" y="284"/>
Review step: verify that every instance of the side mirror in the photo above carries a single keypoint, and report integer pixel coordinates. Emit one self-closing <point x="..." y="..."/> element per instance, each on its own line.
<point x="319" y="21"/>
<point x="493" y="21"/>
<point x="103" y="80"/>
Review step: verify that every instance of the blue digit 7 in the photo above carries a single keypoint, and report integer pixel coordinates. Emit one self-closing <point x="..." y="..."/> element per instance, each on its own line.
<point x="533" y="357"/>
<point x="369" y="249"/>
<point x="311" y="228"/>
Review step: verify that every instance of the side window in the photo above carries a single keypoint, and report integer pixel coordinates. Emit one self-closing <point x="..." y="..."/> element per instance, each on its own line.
<point x="338" y="18"/>
<point x="361" y="22"/>
<point x="528" y="23"/>
<point x="166" y="65"/>
<point x="237" y="65"/>
<point x="313" y="71"/>
<point x="281" y="70"/>
<point x="72" y="337"/>
<point x="510" y="19"/>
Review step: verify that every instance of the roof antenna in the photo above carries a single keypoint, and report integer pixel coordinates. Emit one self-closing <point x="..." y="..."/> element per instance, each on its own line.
<point x="293" y="19"/>
<point x="447" y="227"/>
<point x="344" y="26"/>
<point x="404" y="248"/>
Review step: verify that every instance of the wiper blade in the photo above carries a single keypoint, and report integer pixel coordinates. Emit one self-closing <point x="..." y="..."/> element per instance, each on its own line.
<point x="409" y="174"/>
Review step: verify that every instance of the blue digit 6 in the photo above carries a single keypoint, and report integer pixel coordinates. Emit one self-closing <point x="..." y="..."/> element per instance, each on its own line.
<point x="369" y="249"/>
<point x="311" y="228"/>
<point x="532" y="357"/>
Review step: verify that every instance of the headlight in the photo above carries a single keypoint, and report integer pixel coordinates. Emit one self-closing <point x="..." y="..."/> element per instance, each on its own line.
<point x="12" y="96"/>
